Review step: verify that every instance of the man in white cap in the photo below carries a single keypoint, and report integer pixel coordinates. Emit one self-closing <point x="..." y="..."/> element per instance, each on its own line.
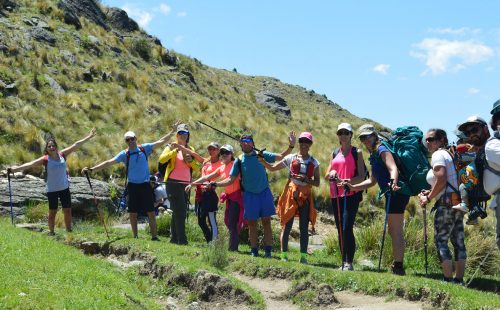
<point x="140" y="192"/>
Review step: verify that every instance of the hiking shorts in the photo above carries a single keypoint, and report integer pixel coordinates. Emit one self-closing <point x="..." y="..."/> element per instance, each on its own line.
<point x="258" y="205"/>
<point x="63" y="195"/>
<point x="398" y="203"/>
<point x="140" y="197"/>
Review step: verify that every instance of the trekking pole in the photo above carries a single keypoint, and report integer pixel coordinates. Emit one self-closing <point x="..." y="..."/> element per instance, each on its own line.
<point x="425" y="239"/>
<point x="480" y="265"/>
<point x="96" y="205"/>
<point x="339" y="223"/>
<point x="227" y="135"/>
<point x="388" y="203"/>
<point x="10" y="198"/>
<point x="344" y="223"/>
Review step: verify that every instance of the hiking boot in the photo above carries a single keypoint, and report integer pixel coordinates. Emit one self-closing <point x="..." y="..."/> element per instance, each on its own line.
<point x="267" y="255"/>
<point x="303" y="260"/>
<point x="458" y="281"/>
<point x="462" y="207"/>
<point x="398" y="269"/>
<point x="254" y="252"/>
<point x="346" y="267"/>
<point x="155" y="238"/>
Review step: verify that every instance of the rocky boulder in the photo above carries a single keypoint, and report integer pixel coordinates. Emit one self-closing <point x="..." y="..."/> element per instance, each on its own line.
<point x="84" y="8"/>
<point x="273" y="99"/>
<point x="29" y="188"/>
<point x="42" y="35"/>
<point x="119" y="19"/>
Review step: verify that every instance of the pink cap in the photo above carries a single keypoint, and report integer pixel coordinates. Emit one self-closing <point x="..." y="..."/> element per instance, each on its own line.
<point x="306" y="135"/>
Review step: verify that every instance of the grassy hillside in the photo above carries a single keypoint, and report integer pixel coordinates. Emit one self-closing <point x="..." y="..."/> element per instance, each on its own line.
<point x="128" y="82"/>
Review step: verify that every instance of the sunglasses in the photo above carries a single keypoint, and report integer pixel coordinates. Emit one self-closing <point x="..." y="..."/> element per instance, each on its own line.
<point x="364" y="138"/>
<point x="246" y="140"/>
<point x="129" y="139"/>
<point x="224" y="152"/>
<point x="343" y="133"/>
<point x="210" y="149"/>
<point x="430" y="139"/>
<point x="474" y="130"/>
<point x="183" y="133"/>
<point x="51" y="146"/>
<point x="305" y="140"/>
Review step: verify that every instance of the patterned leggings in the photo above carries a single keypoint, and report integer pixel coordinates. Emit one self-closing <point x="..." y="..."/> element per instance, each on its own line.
<point x="449" y="226"/>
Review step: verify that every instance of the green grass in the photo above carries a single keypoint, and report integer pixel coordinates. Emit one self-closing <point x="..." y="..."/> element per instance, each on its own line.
<point x="39" y="273"/>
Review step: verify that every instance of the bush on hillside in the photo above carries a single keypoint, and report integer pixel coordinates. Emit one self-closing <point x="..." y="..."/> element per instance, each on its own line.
<point x="142" y="48"/>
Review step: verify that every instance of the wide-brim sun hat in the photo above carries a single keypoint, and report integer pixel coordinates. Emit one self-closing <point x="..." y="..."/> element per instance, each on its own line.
<point x="474" y="119"/>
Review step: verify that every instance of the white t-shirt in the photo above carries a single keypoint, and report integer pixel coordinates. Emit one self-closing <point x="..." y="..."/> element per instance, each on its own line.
<point x="441" y="158"/>
<point x="491" y="181"/>
<point x="287" y="161"/>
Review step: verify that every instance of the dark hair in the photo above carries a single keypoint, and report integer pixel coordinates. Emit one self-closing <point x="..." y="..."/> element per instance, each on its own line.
<point x="47" y="144"/>
<point x="439" y="134"/>
<point x="494" y="121"/>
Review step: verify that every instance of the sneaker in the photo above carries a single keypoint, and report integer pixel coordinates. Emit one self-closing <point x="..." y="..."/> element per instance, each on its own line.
<point x="462" y="207"/>
<point x="254" y="252"/>
<point x="398" y="269"/>
<point x="155" y="238"/>
<point x="303" y="260"/>
<point x="346" y="267"/>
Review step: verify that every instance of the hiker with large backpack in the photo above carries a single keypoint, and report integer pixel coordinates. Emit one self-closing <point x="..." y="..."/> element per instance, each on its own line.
<point x="385" y="173"/>
<point x="56" y="177"/>
<point x="176" y="163"/>
<point x="140" y="193"/>
<point x="257" y="197"/>
<point x="448" y="222"/>
<point x="346" y="165"/>
<point x="232" y="196"/>
<point x="491" y="176"/>
<point x="297" y="198"/>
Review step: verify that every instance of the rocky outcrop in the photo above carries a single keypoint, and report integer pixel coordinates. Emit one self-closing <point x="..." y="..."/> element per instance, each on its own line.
<point x="273" y="99"/>
<point x="85" y="8"/>
<point x="119" y="19"/>
<point x="58" y="90"/>
<point x="29" y="188"/>
<point x="42" y="35"/>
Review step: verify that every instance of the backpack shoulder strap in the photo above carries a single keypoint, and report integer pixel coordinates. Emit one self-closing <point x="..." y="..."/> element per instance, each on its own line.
<point x="142" y="149"/>
<point x="335" y="152"/>
<point x="45" y="160"/>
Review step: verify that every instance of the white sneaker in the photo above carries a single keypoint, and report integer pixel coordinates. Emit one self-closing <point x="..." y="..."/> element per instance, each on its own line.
<point x="461" y="207"/>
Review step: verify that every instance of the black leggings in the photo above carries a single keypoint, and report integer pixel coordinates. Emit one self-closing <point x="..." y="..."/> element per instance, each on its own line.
<point x="210" y="233"/>
<point x="352" y="204"/>
<point x="303" y="226"/>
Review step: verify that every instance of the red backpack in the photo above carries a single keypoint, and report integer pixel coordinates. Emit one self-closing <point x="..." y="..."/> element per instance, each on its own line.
<point x="295" y="167"/>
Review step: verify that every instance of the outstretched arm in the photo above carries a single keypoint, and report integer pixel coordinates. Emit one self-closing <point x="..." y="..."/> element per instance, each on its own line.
<point x="163" y="140"/>
<point x="363" y="185"/>
<point x="274" y="167"/>
<point x="103" y="165"/>
<point x="33" y="163"/>
<point x="291" y="140"/>
<point x="79" y="143"/>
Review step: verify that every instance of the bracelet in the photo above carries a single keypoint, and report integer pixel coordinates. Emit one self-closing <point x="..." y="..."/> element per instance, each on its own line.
<point x="291" y="146"/>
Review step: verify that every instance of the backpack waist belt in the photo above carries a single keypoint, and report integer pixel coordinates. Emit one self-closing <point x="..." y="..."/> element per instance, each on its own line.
<point x="449" y="199"/>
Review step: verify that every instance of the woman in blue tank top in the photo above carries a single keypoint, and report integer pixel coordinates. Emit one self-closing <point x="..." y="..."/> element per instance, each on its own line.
<point x="57" y="177"/>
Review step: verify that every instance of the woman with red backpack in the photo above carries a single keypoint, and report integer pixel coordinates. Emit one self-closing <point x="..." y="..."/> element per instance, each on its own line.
<point x="296" y="198"/>
<point x="57" y="177"/>
<point x="347" y="165"/>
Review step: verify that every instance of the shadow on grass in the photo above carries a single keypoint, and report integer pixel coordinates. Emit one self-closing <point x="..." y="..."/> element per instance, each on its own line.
<point x="485" y="285"/>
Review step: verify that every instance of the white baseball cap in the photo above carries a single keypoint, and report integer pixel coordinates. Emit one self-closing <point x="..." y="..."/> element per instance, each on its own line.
<point x="345" y="126"/>
<point x="227" y="147"/>
<point x="129" y="134"/>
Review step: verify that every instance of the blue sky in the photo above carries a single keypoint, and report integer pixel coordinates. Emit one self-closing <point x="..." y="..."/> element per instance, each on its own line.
<point x="424" y="63"/>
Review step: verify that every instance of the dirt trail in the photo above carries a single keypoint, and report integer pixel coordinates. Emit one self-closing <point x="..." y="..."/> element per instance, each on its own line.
<point x="271" y="289"/>
<point x="350" y="300"/>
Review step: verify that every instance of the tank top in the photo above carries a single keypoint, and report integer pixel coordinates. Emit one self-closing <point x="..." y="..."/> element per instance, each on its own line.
<point x="346" y="168"/>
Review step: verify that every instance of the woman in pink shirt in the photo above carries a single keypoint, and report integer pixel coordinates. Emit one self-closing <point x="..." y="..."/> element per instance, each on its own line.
<point x="347" y="165"/>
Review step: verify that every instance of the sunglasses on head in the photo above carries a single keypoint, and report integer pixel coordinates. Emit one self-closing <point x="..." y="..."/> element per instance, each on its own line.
<point x="129" y="139"/>
<point x="474" y="130"/>
<point x="343" y="133"/>
<point x="430" y="139"/>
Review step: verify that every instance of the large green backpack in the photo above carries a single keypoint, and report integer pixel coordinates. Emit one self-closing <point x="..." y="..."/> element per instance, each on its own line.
<point x="410" y="155"/>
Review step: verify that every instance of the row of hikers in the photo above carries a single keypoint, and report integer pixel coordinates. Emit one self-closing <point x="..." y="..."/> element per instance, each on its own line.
<point x="248" y="197"/>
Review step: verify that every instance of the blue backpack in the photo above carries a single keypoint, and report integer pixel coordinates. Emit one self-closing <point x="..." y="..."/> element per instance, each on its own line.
<point x="410" y="156"/>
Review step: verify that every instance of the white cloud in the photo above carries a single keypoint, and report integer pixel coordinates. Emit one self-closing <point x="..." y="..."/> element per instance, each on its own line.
<point x="441" y="56"/>
<point x="456" y="31"/>
<point x="182" y="14"/>
<point x="142" y="17"/>
<point x="165" y="9"/>
<point x="473" y="91"/>
<point x="178" y="39"/>
<point x="381" y="68"/>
